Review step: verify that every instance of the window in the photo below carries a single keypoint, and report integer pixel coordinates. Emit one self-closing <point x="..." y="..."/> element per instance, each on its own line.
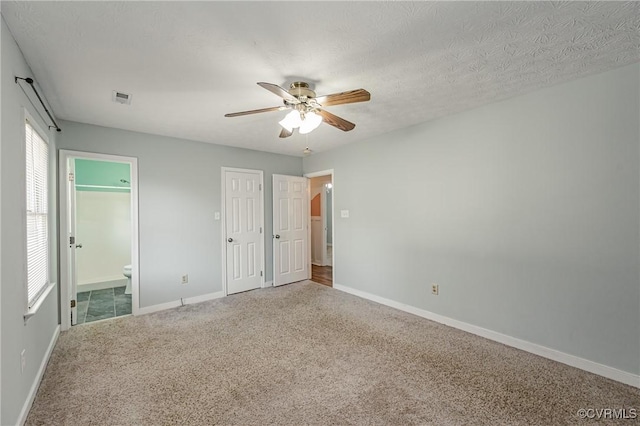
<point x="37" y="168"/>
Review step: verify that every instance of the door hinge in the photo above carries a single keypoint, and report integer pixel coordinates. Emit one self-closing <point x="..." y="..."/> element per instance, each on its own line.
<point x="261" y="229"/>
<point x="71" y="177"/>
<point x="259" y="187"/>
<point x="72" y="240"/>
<point x="260" y="273"/>
<point x="73" y="303"/>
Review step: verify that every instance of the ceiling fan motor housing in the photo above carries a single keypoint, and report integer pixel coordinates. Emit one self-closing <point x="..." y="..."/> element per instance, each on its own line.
<point x="300" y="89"/>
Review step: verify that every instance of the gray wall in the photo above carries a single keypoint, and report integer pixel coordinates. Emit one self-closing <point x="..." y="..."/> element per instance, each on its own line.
<point x="36" y="334"/>
<point x="179" y="191"/>
<point x="525" y="212"/>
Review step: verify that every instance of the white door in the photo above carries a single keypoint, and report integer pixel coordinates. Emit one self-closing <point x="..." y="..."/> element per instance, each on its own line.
<point x="291" y="240"/>
<point x="243" y="230"/>
<point x="316" y="241"/>
<point x="71" y="240"/>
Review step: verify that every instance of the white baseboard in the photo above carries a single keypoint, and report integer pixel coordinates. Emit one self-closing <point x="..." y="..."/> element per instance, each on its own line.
<point x="177" y="303"/>
<point x="101" y="285"/>
<point x="553" y="354"/>
<point x="99" y="280"/>
<point x="36" y="383"/>
<point x="203" y="298"/>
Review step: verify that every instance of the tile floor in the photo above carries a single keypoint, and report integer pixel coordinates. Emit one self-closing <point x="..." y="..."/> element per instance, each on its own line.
<point x="102" y="304"/>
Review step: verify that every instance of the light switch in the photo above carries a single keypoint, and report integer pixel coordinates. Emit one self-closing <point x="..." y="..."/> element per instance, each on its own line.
<point x="344" y="213"/>
<point x="216" y="215"/>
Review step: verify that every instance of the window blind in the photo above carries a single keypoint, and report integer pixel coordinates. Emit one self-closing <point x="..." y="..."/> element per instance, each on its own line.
<point x="37" y="156"/>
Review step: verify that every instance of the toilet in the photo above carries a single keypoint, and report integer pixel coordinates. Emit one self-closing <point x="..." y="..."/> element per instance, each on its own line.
<point x="126" y="271"/>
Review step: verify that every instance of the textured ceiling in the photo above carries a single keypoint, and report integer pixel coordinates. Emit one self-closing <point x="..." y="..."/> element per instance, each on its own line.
<point x="188" y="63"/>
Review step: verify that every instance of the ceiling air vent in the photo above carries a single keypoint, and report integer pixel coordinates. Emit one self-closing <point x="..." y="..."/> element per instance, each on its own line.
<point x="121" y="98"/>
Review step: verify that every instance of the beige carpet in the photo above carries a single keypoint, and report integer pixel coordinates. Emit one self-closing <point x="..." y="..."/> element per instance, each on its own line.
<point x="305" y="354"/>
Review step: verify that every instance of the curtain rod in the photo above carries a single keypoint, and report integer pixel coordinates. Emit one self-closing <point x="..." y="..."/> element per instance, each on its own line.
<point x="30" y="82"/>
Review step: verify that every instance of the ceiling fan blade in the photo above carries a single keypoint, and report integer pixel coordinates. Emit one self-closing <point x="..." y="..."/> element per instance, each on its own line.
<point x="273" y="88"/>
<point x="335" y="121"/>
<point x="284" y="133"/>
<point x="350" y="97"/>
<point x="256" y="111"/>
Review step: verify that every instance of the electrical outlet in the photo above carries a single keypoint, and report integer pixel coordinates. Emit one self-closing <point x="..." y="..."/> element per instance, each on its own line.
<point x="434" y="289"/>
<point x="185" y="279"/>
<point x="23" y="360"/>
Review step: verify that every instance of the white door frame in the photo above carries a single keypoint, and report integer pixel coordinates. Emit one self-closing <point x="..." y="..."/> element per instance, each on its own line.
<point x="323" y="224"/>
<point x="322" y="261"/>
<point x="328" y="172"/>
<point x="223" y="224"/>
<point x="65" y="285"/>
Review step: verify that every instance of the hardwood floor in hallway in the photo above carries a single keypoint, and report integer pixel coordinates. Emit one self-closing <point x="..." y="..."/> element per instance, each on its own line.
<point x="322" y="275"/>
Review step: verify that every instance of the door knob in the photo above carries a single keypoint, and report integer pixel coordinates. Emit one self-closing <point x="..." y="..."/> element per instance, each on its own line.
<point x="79" y="245"/>
<point x="230" y="240"/>
<point x="277" y="237"/>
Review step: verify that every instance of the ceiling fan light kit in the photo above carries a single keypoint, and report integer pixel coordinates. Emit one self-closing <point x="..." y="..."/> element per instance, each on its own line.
<point x="310" y="122"/>
<point x="291" y="121"/>
<point x="308" y="110"/>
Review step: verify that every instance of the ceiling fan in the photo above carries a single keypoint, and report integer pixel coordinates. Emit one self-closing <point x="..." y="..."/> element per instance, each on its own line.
<point x="307" y="108"/>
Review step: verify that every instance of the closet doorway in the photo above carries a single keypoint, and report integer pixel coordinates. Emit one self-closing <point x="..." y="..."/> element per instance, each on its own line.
<point x="321" y="224"/>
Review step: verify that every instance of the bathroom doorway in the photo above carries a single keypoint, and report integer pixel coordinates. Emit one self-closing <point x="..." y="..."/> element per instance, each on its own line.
<point x="321" y="224"/>
<point x="100" y="236"/>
